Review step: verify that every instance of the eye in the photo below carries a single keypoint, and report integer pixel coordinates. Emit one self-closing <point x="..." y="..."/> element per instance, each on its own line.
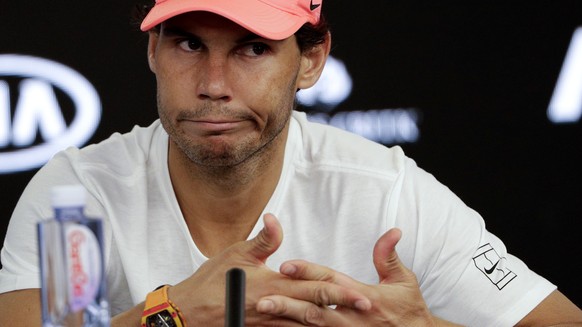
<point x="255" y="49"/>
<point x="190" y="44"/>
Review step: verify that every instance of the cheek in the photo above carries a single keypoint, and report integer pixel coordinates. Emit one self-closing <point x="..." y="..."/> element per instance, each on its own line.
<point x="173" y="87"/>
<point x="268" y="99"/>
<point x="269" y="85"/>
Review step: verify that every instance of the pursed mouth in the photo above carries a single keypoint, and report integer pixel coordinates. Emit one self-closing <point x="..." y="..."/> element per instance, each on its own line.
<point x="215" y="126"/>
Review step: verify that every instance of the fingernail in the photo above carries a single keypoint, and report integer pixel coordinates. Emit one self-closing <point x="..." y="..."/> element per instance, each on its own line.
<point x="265" y="228"/>
<point x="265" y="306"/>
<point x="363" y="305"/>
<point x="288" y="269"/>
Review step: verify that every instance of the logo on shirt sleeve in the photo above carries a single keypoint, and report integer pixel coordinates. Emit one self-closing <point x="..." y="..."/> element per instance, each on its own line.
<point x="492" y="265"/>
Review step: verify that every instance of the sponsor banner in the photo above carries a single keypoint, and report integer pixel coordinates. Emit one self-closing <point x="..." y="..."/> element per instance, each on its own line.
<point x="38" y="114"/>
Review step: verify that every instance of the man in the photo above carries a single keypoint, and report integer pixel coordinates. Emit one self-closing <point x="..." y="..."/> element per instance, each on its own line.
<point x="182" y="198"/>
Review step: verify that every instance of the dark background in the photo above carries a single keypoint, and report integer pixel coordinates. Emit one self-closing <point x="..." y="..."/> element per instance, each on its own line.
<point x="481" y="75"/>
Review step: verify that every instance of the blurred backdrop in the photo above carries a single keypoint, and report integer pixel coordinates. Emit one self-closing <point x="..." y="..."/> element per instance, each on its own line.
<point x="464" y="88"/>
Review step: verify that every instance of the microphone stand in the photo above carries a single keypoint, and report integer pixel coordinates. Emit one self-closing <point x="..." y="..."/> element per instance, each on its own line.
<point x="235" y="298"/>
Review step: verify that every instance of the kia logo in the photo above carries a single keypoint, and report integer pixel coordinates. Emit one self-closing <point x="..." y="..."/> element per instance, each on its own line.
<point x="38" y="114"/>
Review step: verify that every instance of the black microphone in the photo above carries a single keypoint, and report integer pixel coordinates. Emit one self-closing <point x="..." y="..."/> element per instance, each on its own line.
<point x="235" y="298"/>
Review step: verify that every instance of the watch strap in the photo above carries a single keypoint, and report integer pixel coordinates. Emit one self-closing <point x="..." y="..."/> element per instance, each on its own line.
<point x="158" y="301"/>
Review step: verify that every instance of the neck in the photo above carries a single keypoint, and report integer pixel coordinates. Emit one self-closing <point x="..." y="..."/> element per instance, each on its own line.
<point x="222" y="204"/>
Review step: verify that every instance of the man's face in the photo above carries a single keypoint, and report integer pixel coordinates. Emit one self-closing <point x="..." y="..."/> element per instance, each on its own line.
<point x="223" y="92"/>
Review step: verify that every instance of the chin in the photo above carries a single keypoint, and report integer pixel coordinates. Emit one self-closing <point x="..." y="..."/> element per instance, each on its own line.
<point x="216" y="158"/>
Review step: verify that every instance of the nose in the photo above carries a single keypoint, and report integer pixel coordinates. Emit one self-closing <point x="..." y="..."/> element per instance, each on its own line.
<point x="214" y="79"/>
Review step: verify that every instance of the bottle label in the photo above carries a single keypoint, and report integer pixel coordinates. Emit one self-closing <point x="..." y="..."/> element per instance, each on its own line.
<point x="84" y="266"/>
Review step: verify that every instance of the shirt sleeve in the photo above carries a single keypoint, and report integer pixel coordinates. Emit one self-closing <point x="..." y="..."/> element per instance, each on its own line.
<point x="465" y="273"/>
<point x="19" y="254"/>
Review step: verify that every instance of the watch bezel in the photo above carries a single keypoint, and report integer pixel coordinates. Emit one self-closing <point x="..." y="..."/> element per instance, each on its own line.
<point x="162" y="318"/>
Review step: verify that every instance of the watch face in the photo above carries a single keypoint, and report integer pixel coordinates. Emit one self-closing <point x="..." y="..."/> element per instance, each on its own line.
<point x="160" y="319"/>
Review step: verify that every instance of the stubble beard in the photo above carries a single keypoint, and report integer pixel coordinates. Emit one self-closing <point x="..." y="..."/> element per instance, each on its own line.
<point x="239" y="160"/>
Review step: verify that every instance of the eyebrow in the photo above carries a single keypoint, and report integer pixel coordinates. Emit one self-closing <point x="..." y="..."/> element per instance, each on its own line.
<point x="177" y="31"/>
<point x="249" y="37"/>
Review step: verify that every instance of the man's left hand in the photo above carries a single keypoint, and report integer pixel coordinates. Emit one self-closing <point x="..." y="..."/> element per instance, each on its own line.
<point x="396" y="300"/>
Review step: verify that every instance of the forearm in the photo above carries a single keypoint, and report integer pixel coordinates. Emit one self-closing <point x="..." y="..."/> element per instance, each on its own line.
<point x="129" y="318"/>
<point x="20" y="308"/>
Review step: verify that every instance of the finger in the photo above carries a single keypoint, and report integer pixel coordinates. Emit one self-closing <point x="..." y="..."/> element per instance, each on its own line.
<point x="301" y="269"/>
<point x="325" y="293"/>
<point x="386" y="261"/>
<point x="267" y="241"/>
<point x="329" y="287"/>
<point x="303" y="312"/>
<point x="338" y="288"/>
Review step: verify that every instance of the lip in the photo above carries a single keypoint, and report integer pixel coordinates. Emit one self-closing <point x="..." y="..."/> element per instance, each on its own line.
<point x="214" y="125"/>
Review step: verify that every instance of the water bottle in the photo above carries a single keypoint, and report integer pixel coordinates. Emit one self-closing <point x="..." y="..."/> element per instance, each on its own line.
<point x="73" y="287"/>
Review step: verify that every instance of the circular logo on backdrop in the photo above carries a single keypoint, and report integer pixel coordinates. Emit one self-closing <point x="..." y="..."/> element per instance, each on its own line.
<point x="33" y="126"/>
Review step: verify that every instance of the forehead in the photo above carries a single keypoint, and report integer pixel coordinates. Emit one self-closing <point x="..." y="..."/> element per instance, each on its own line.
<point x="201" y="21"/>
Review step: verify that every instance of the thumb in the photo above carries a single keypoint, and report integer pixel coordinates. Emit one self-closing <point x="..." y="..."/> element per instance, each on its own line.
<point x="386" y="260"/>
<point x="268" y="240"/>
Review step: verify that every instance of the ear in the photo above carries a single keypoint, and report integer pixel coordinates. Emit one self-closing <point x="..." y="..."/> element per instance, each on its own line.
<point x="152" y="46"/>
<point x="312" y="63"/>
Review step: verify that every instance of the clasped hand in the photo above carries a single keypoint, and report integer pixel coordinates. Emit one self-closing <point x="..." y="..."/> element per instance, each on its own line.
<point x="303" y="293"/>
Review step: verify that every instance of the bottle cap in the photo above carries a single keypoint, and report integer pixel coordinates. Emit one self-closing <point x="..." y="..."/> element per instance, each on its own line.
<point x="68" y="196"/>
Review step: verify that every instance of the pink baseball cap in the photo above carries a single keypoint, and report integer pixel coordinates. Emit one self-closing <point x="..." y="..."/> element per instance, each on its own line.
<point x="271" y="19"/>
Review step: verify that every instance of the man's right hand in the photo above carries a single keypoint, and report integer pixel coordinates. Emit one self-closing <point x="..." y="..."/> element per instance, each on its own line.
<point x="201" y="297"/>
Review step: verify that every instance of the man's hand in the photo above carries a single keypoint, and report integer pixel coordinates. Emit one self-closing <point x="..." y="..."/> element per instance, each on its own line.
<point x="201" y="297"/>
<point x="396" y="300"/>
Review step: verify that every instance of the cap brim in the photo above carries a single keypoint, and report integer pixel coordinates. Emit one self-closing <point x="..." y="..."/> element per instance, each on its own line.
<point x="255" y="16"/>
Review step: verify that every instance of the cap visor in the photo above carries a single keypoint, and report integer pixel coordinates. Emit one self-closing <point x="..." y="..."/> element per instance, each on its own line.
<point x="254" y="15"/>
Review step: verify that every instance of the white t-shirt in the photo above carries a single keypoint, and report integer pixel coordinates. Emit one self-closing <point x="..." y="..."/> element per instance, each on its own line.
<point x="337" y="194"/>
